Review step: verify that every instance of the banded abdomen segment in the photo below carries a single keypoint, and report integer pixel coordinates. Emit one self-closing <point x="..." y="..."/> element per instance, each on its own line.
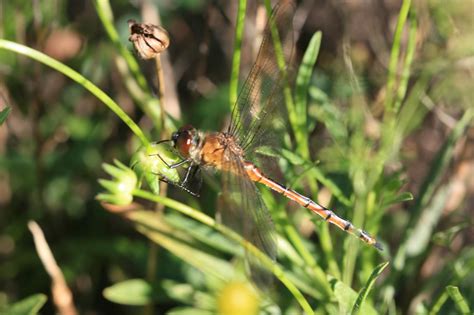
<point x="257" y="176"/>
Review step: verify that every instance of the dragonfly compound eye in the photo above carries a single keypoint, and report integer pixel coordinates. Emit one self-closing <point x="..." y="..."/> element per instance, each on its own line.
<point x="184" y="139"/>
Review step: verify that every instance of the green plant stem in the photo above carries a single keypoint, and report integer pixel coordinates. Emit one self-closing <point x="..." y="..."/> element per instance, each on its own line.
<point x="264" y="259"/>
<point x="367" y="288"/>
<point x="77" y="77"/>
<point x="300" y="137"/>
<point x="410" y="53"/>
<point x="430" y="183"/>
<point x="460" y="302"/>
<point x="295" y="239"/>
<point x="439" y="303"/>
<point x="141" y="94"/>
<point x="303" y="80"/>
<point x="394" y="55"/>
<point x="236" y="56"/>
<point x="104" y="11"/>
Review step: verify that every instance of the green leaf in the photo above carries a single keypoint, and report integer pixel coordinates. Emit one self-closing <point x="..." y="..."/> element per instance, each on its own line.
<point x="327" y="113"/>
<point x="404" y="196"/>
<point x="202" y="233"/>
<point x="188" y="294"/>
<point x="292" y="157"/>
<point x="28" y="306"/>
<point x="130" y="292"/>
<point x="428" y="188"/>
<point x="458" y="299"/>
<point x="76" y="76"/>
<point x="422" y="233"/>
<point x="395" y="53"/>
<point x="157" y="230"/>
<point x="331" y="185"/>
<point x="4" y="114"/>
<point x="303" y="79"/>
<point x="207" y="265"/>
<point x="442" y="160"/>
<point x="368" y="286"/>
<point x="445" y="237"/>
<point x="346" y="298"/>
<point x="188" y="311"/>
<point x="236" y="55"/>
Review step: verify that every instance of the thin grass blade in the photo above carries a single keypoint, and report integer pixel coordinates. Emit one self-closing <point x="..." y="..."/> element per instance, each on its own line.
<point x="4" y="114"/>
<point x="368" y="286"/>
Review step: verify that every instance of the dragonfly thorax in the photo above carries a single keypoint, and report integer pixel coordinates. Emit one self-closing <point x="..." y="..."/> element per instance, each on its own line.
<point x="220" y="150"/>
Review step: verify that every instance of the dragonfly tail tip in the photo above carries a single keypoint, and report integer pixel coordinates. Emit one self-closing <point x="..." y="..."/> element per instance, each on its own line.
<point x="378" y="245"/>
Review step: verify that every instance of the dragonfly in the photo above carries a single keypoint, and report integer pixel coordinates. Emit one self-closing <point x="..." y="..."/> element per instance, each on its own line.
<point x="231" y="151"/>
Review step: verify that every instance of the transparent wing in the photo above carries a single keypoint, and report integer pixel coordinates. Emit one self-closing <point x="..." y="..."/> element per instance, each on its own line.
<point x="261" y="96"/>
<point x="241" y="208"/>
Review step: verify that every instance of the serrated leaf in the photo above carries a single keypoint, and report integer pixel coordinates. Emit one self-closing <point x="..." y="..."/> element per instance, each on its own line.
<point x="130" y="292"/>
<point x="4" y="114"/>
<point x="366" y="289"/>
<point x="28" y="306"/>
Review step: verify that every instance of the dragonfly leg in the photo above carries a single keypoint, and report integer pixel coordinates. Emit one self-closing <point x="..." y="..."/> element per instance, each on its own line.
<point x="179" y="185"/>
<point x="175" y="165"/>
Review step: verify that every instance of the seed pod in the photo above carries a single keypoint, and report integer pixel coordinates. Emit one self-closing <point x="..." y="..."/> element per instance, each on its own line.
<point x="148" y="39"/>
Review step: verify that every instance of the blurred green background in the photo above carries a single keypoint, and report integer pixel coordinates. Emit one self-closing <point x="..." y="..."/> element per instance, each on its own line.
<point x="57" y="135"/>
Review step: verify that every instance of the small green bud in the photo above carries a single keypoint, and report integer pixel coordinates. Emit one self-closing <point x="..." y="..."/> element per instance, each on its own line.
<point x="120" y="188"/>
<point x="149" y="164"/>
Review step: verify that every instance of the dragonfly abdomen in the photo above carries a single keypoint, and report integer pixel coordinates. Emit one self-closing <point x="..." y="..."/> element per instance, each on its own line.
<point x="256" y="175"/>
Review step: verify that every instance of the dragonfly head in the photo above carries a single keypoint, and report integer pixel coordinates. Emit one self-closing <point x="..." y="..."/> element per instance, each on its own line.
<point x="185" y="139"/>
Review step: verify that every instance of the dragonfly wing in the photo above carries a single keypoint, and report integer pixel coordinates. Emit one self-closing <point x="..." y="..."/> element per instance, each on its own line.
<point x="261" y="95"/>
<point x="243" y="209"/>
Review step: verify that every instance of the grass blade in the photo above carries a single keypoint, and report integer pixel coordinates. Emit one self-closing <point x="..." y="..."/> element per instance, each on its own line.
<point x="301" y="91"/>
<point x="438" y="167"/>
<point x="405" y="74"/>
<point x="236" y="56"/>
<point x="395" y="53"/>
<point x="77" y="77"/>
<point x="368" y="286"/>
<point x="137" y="84"/>
<point x="346" y="298"/>
<point x="104" y="11"/>
<point x="4" y="114"/>
<point x="266" y="262"/>
<point x="28" y="306"/>
<point x="180" y="244"/>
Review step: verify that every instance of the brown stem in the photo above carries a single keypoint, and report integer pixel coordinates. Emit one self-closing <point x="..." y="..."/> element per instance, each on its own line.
<point x="62" y="296"/>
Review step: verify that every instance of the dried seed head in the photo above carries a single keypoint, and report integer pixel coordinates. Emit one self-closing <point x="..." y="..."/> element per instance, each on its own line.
<point x="148" y="39"/>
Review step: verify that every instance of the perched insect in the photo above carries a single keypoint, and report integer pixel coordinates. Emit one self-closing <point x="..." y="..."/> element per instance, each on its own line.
<point x="232" y="150"/>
